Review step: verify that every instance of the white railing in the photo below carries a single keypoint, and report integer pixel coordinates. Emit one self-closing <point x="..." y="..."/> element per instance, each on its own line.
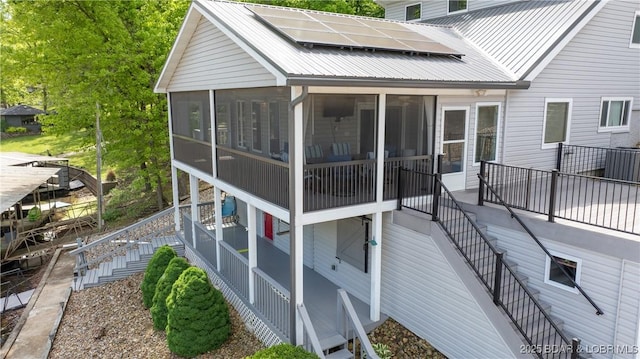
<point x="235" y="268"/>
<point x="311" y="342"/>
<point x="351" y="328"/>
<point x="206" y="243"/>
<point x="272" y="301"/>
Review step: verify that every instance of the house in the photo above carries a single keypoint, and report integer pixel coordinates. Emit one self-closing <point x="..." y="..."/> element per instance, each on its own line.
<point x="22" y="116"/>
<point x="318" y="128"/>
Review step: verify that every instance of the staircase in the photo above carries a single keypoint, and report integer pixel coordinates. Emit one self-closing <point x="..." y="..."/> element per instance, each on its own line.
<point x="135" y="260"/>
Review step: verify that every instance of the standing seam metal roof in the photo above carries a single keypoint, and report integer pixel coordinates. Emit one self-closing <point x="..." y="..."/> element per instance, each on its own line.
<point x="297" y="61"/>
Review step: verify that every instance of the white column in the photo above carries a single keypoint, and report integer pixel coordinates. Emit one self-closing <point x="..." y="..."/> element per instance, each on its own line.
<point x="376" y="267"/>
<point x="382" y="105"/>
<point x="212" y="111"/>
<point x="253" y="248"/>
<point x="176" y="197"/>
<point x="218" y="231"/>
<point x="195" y="197"/>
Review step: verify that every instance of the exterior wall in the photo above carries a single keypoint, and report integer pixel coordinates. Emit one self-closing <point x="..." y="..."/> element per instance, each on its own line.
<point x="214" y="61"/>
<point x="423" y="291"/>
<point x="281" y="241"/>
<point x="597" y="62"/>
<point x="601" y="276"/>
<point x="436" y="8"/>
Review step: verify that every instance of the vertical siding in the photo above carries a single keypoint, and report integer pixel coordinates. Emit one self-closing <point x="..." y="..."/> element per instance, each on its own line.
<point x="281" y="241"/>
<point x="213" y="61"/>
<point x="597" y="62"/>
<point x="628" y="307"/>
<point x="422" y="291"/>
<point x="600" y="278"/>
<point x="352" y="279"/>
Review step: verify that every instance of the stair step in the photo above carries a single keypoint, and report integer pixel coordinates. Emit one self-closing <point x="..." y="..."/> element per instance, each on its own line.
<point x="332" y="341"/>
<point x="340" y="354"/>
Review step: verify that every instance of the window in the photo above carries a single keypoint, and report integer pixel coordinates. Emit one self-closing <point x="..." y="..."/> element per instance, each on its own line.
<point x="457" y="6"/>
<point x="487" y="127"/>
<point x="556" y="122"/>
<point x="614" y="114"/>
<point x="554" y="275"/>
<point x="635" y="31"/>
<point x="413" y="12"/>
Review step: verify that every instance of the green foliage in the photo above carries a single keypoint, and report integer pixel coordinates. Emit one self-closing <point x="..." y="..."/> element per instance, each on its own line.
<point x="163" y="288"/>
<point x="3" y="125"/>
<point x="155" y="269"/>
<point x="16" y="130"/>
<point x="111" y="176"/>
<point x="352" y="7"/>
<point x="198" y="318"/>
<point x="382" y="350"/>
<point x="283" y="351"/>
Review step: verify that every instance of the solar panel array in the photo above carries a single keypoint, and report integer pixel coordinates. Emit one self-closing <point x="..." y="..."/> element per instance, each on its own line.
<point x="312" y="28"/>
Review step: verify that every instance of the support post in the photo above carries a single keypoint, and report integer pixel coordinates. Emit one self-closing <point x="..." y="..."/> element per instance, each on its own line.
<point x="376" y="267"/>
<point x="253" y="248"/>
<point x="559" y="157"/>
<point x="99" y="165"/>
<point x="400" y="188"/>
<point x="552" y="196"/>
<point x="436" y="197"/>
<point x="176" y="197"/>
<point x="195" y="196"/>
<point x="382" y="105"/>
<point x="481" y="187"/>
<point x="575" y="348"/>
<point x="218" y="231"/>
<point x="497" y="282"/>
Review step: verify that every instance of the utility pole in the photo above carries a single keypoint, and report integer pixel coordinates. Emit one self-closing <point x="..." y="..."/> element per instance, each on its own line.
<point x="99" y="165"/>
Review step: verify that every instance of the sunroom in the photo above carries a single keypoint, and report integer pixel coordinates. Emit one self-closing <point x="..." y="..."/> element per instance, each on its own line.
<point x="307" y="127"/>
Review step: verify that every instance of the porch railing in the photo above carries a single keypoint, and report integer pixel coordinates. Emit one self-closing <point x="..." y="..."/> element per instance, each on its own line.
<point x="614" y="163"/>
<point x="272" y="301"/>
<point x="351" y="328"/>
<point x="311" y="343"/>
<point x="392" y="165"/>
<point x="235" y="268"/>
<point x="264" y="177"/>
<point x="507" y="290"/>
<point x="337" y="184"/>
<point x="206" y="244"/>
<point x="602" y="202"/>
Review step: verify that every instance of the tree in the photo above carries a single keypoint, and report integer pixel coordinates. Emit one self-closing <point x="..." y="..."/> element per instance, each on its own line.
<point x="352" y="7"/>
<point x="163" y="288"/>
<point x="198" y="317"/>
<point x="155" y="269"/>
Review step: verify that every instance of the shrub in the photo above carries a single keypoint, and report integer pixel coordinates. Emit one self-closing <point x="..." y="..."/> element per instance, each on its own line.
<point x="382" y="350"/>
<point x="3" y="125"/>
<point x="163" y="288"/>
<point x="283" y="351"/>
<point x="111" y="176"/>
<point x="154" y="271"/>
<point x="16" y="130"/>
<point x="198" y="317"/>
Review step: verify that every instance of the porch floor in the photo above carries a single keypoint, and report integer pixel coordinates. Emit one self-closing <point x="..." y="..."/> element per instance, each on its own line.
<point x="320" y="294"/>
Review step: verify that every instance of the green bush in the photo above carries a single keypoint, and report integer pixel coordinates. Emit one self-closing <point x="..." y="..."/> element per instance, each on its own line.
<point x="154" y="271"/>
<point x="3" y="125"/>
<point x="163" y="288"/>
<point x="16" y="130"/>
<point x="283" y="351"/>
<point x="198" y="318"/>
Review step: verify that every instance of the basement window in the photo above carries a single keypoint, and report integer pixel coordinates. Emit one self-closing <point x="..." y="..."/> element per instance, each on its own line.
<point x="554" y="272"/>
<point x="413" y="12"/>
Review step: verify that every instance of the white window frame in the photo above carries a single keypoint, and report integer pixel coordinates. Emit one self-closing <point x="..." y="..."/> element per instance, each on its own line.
<point x="624" y="128"/>
<point x="457" y="11"/>
<point x="633" y="26"/>
<point x="498" y="130"/>
<point x="544" y="122"/>
<point x="547" y="267"/>
<point x="410" y="5"/>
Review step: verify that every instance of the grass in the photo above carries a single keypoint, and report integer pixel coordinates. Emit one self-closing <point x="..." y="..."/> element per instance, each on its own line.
<point x="73" y="146"/>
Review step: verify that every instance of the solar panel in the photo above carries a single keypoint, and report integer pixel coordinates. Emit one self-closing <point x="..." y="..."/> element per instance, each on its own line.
<point x="312" y="28"/>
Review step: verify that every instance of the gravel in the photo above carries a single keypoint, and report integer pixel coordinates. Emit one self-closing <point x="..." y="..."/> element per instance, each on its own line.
<point x="402" y="342"/>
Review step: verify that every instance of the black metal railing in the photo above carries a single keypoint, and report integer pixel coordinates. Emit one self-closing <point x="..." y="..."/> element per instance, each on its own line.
<point x="601" y="202"/>
<point x="564" y="272"/>
<point x="615" y="163"/>
<point x="507" y="290"/>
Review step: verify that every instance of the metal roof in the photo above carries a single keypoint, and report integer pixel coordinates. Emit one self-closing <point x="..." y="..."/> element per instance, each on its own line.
<point x="20" y="110"/>
<point x="19" y="158"/>
<point x="322" y="65"/>
<point x="519" y="35"/>
<point x="17" y="182"/>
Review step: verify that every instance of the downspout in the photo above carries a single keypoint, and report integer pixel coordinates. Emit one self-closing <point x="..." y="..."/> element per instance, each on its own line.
<point x="303" y="96"/>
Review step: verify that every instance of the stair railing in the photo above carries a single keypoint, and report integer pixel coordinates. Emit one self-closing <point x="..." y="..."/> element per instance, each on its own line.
<point x="486" y="184"/>
<point x="351" y="327"/>
<point x="311" y="342"/>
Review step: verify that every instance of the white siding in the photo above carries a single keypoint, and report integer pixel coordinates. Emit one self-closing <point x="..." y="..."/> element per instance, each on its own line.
<point x="436" y="8"/>
<point x="600" y="279"/>
<point x="597" y="62"/>
<point x="421" y="290"/>
<point x="352" y="279"/>
<point x="281" y="241"/>
<point x="214" y="61"/>
<point x="627" y="325"/>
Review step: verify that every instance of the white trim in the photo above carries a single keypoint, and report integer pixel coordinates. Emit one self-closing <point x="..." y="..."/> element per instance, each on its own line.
<point x="633" y="26"/>
<point x="410" y="5"/>
<point x="457" y="11"/>
<point x="465" y="151"/>
<point x="548" y="100"/>
<point x="544" y="62"/>
<point x="615" y="129"/>
<point x="547" y="266"/>
<point x="214" y="134"/>
<point x="498" y="131"/>
<point x="401" y="91"/>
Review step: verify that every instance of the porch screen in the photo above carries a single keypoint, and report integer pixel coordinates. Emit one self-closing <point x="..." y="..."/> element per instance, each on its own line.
<point x="191" y="129"/>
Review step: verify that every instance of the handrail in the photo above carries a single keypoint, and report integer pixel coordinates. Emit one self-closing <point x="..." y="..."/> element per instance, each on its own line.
<point x="277" y="286"/>
<point x="252" y="156"/>
<point x="345" y="303"/>
<point x="311" y="332"/>
<point x="533" y="236"/>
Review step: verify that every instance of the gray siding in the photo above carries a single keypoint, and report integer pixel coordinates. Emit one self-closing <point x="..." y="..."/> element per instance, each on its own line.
<point x="627" y="325"/>
<point x="600" y="278"/>
<point x="214" y="61"/>
<point x="597" y="62"/>
<point x="421" y="290"/>
<point x="436" y="8"/>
